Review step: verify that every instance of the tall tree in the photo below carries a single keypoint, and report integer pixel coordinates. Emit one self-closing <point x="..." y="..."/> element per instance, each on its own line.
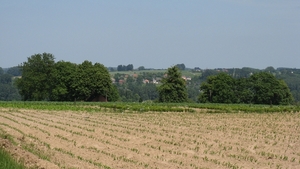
<point x="37" y="78"/>
<point x="93" y="81"/>
<point x="173" y="88"/>
<point x="64" y="74"/>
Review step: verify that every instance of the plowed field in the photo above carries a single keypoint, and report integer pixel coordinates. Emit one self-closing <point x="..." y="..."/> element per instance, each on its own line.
<point x="60" y="139"/>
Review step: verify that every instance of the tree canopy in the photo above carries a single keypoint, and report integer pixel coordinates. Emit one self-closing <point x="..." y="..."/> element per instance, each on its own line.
<point x="260" y="88"/>
<point x="15" y="71"/>
<point x="37" y="77"/>
<point x="7" y="90"/>
<point x="269" y="90"/>
<point x="173" y="88"/>
<point x="92" y="81"/>
<point x="1" y="71"/>
<point x="125" y="68"/>
<point x="43" y="79"/>
<point x="181" y="66"/>
<point x="218" y="89"/>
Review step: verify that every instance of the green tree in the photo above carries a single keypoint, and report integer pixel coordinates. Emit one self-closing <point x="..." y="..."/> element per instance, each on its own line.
<point x="6" y="79"/>
<point x="270" y="69"/>
<point x="208" y="72"/>
<point x="139" y="80"/>
<point x="218" y="89"/>
<point x="121" y="68"/>
<point x="173" y="88"/>
<point x="181" y="66"/>
<point x="37" y="78"/>
<point x="129" y="67"/>
<point x="7" y="90"/>
<point x="260" y="88"/>
<point x="244" y="90"/>
<point x="293" y="82"/>
<point x="1" y="71"/>
<point x="92" y="81"/>
<point x="15" y="71"/>
<point x="64" y="74"/>
<point x="269" y="90"/>
<point x="141" y="68"/>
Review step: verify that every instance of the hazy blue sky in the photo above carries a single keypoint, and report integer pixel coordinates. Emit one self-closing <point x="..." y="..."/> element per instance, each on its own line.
<point x="153" y="33"/>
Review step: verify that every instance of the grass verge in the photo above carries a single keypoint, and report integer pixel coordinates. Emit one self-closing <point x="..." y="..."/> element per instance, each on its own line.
<point x="7" y="161"/>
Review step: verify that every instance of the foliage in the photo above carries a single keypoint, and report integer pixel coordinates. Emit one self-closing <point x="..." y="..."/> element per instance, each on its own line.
<point x="269" y="90"/>
<point x="15" y="71"/>
<point x="1" y="71"/>
<point x="208" y="72"/>
<point x="64" y="74"/>
<point x="292" y="79"/>
<point x="61" y="81"/>
<point x="141" y="68"/>
<point x="92" y="81"/>
<point x="7" y="90"/>
<point x="173" y="88"/>
<point x="134" y="90"/>
<point x="125" y="68"/>
<point x="270" y="69"/>
<point x="43" y="79"/>
<point x="260" y="88"/>
<point x="37" y="77"/>
<point x="6" y="79"/>
<point x="181" y="66"/>
<point x="218" y="89"/>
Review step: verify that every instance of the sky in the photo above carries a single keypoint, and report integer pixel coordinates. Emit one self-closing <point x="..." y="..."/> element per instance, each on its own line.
<point x="153" y="33"/>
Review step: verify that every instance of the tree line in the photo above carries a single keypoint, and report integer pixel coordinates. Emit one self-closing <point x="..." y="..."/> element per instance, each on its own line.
<point x="8" y="91"/>
<point x="130" y="67"/>
<point x="259" y="88"/>
<point x="44" y="79"/>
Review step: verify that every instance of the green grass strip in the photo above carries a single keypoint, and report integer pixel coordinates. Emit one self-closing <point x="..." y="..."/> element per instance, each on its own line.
<point x="7" y="161"/>
<point x="148" y="107"/>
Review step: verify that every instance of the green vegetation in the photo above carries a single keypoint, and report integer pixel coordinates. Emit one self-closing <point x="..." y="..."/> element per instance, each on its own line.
<point x="121" y="107"/>
<point x="173" y="88"/>
<point x="7" y="161"/>
<point x="125" y="68"/>
<point x="260" y="88"/>
<point x="43" y="79"/>
<point x="7" y="90"/>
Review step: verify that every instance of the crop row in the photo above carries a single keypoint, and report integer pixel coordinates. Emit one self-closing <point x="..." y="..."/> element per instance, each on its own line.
<point x="150" y="107"/>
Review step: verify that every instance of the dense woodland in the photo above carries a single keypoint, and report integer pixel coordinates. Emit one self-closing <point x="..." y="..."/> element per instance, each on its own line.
<point x="41" y="78"/>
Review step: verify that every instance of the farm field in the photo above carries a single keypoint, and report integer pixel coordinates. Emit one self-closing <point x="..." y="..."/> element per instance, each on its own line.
<point x="81" y="139"/>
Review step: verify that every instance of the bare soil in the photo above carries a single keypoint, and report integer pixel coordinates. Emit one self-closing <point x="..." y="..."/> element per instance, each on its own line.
<point x="58" y="139"/>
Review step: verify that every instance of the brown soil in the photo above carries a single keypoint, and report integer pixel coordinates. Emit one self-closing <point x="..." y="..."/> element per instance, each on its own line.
<point x="152" y="140"/>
